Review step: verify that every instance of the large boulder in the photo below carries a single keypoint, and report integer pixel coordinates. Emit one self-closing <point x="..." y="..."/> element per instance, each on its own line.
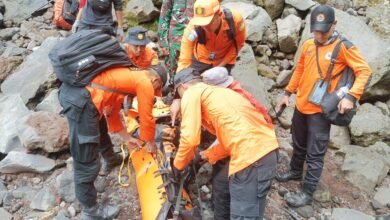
<point x="339" y="137"/>
<point x="142" y="10"/>
<point x="382" y="149"/>
<point x="378" y="13"/>
<point x="349" y="214"/>
<point x="376" y="53"/>
<point x="65" y="186"/>
<point x="19" y="162"/>
<point x="302" y="5"/>
<point x="288" y="33"/>
<point x="19" y="10"/>
<point x="370" y="125"/>
<point x="273" y="7"/>
<point x="12" y="108"/>
<point x="382" y="196"/>
<point x="245" y="71"/>
<point x="33" y="73"/>
<point x="43" y="130"/>
<point x="50" y="103"/>
<point x="363" y="168"/>
<point x="256" y="19"/>
<point x="44" y="200"/>
<point x="8" y="33"/>
<point x="7" y="65"/>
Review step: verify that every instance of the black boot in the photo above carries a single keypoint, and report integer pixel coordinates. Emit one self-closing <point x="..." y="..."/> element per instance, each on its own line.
<point x="302" y="198"/>
<point x="288" y="175"/>
<point x="110" y="161"/>
<point x="100" y="212"/>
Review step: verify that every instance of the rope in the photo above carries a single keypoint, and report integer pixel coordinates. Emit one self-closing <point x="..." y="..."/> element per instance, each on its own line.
<point x="128" y="168"/>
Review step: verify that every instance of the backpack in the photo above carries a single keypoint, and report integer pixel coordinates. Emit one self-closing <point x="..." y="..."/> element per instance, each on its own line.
<point x="231" y="33"/>
<point x="330" y="100"/>
<point x="77" y="59"/>
<point x="65" y="12"/>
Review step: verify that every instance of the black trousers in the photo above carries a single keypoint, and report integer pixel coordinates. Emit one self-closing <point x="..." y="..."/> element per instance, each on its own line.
<point x="88" y="137"/>
<point x="310" y="134"/>
<point x="249" y="188"/>
<point x="221" y="194"/>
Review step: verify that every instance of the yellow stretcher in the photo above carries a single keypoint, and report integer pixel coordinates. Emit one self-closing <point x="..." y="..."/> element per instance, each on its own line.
<point x="155" y="201"/>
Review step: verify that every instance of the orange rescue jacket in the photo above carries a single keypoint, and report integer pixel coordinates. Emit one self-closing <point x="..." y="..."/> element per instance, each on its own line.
<point x="135" y="82"/>
<point x="240" y="128"/>
<point x="216" y="43"/>
<point x="306" y="73"/>
<point x="146" y="59"/>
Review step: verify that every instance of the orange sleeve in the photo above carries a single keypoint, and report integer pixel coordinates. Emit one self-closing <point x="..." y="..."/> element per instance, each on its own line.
<point x="298" y="72"/>
<point x="361" y="69"/>
<point x="230" y="57"/>
<point x="215" y="153"/>
<point x="113" y="117"/>
<point x="145" y="96"/>
<point x="190" y="129"/>
<point x="186" y="50"/>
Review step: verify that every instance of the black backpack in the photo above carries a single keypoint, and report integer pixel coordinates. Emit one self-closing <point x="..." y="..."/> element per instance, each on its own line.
<point x="80" y="57"/>
<point x="70" y="10"/>
<point x="231" y="33"/>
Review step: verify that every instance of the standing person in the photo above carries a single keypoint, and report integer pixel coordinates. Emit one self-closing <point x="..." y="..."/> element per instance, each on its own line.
<point x="87" y="110"/>
<point x="310" y="128"/>
<point x="213" y="37"/>
<point x="242" y="134"/>
<point x="97" y="14"/>
<point x="174" y="17"/>
<point x="135" y="45"/>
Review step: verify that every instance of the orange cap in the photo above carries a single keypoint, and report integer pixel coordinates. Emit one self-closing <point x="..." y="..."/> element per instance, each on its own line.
<point x="204" y="11"/>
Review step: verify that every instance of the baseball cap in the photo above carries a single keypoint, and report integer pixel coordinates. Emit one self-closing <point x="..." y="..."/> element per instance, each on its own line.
<point x="185" y="75"/>
<point x="137" y="36"/>
<point x="322" y="18"/>
<point x="217" y="76"/>
<point x="204" y="11"/>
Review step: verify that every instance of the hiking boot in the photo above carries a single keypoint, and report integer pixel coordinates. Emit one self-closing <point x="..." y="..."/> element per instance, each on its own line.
<point x="100" y="212"/>
<point x="108" y="165"/>
<point x="299" y="199"/>
<point x="288" y="175"/>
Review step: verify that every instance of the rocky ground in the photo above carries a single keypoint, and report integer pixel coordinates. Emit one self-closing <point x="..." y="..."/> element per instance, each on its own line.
<point x="35" y="163"/>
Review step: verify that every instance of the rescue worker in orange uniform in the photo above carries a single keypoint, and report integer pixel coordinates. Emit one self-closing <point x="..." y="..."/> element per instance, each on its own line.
<point x="310" y="128"/>
<point x="87" y="110"/>
<point x="135" y="45"/>
<point x="206" y="42"/>
<point x="242" y="134"/>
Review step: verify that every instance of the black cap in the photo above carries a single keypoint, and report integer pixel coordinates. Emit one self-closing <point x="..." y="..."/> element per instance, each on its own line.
<point x="185" y="75"/>
<point x="137" y="36"/>
<point x="161" y="71"/>
<point x="322" y="18"/>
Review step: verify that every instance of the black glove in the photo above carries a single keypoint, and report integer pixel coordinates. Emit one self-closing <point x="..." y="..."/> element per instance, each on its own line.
<point x="179" y="174"/>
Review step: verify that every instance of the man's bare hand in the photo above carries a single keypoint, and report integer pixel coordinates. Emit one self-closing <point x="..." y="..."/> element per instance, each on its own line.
<point x="345" y="105"/>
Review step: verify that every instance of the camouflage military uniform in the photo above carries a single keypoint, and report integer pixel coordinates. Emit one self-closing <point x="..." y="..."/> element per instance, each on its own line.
<point x="175" y="15"/>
